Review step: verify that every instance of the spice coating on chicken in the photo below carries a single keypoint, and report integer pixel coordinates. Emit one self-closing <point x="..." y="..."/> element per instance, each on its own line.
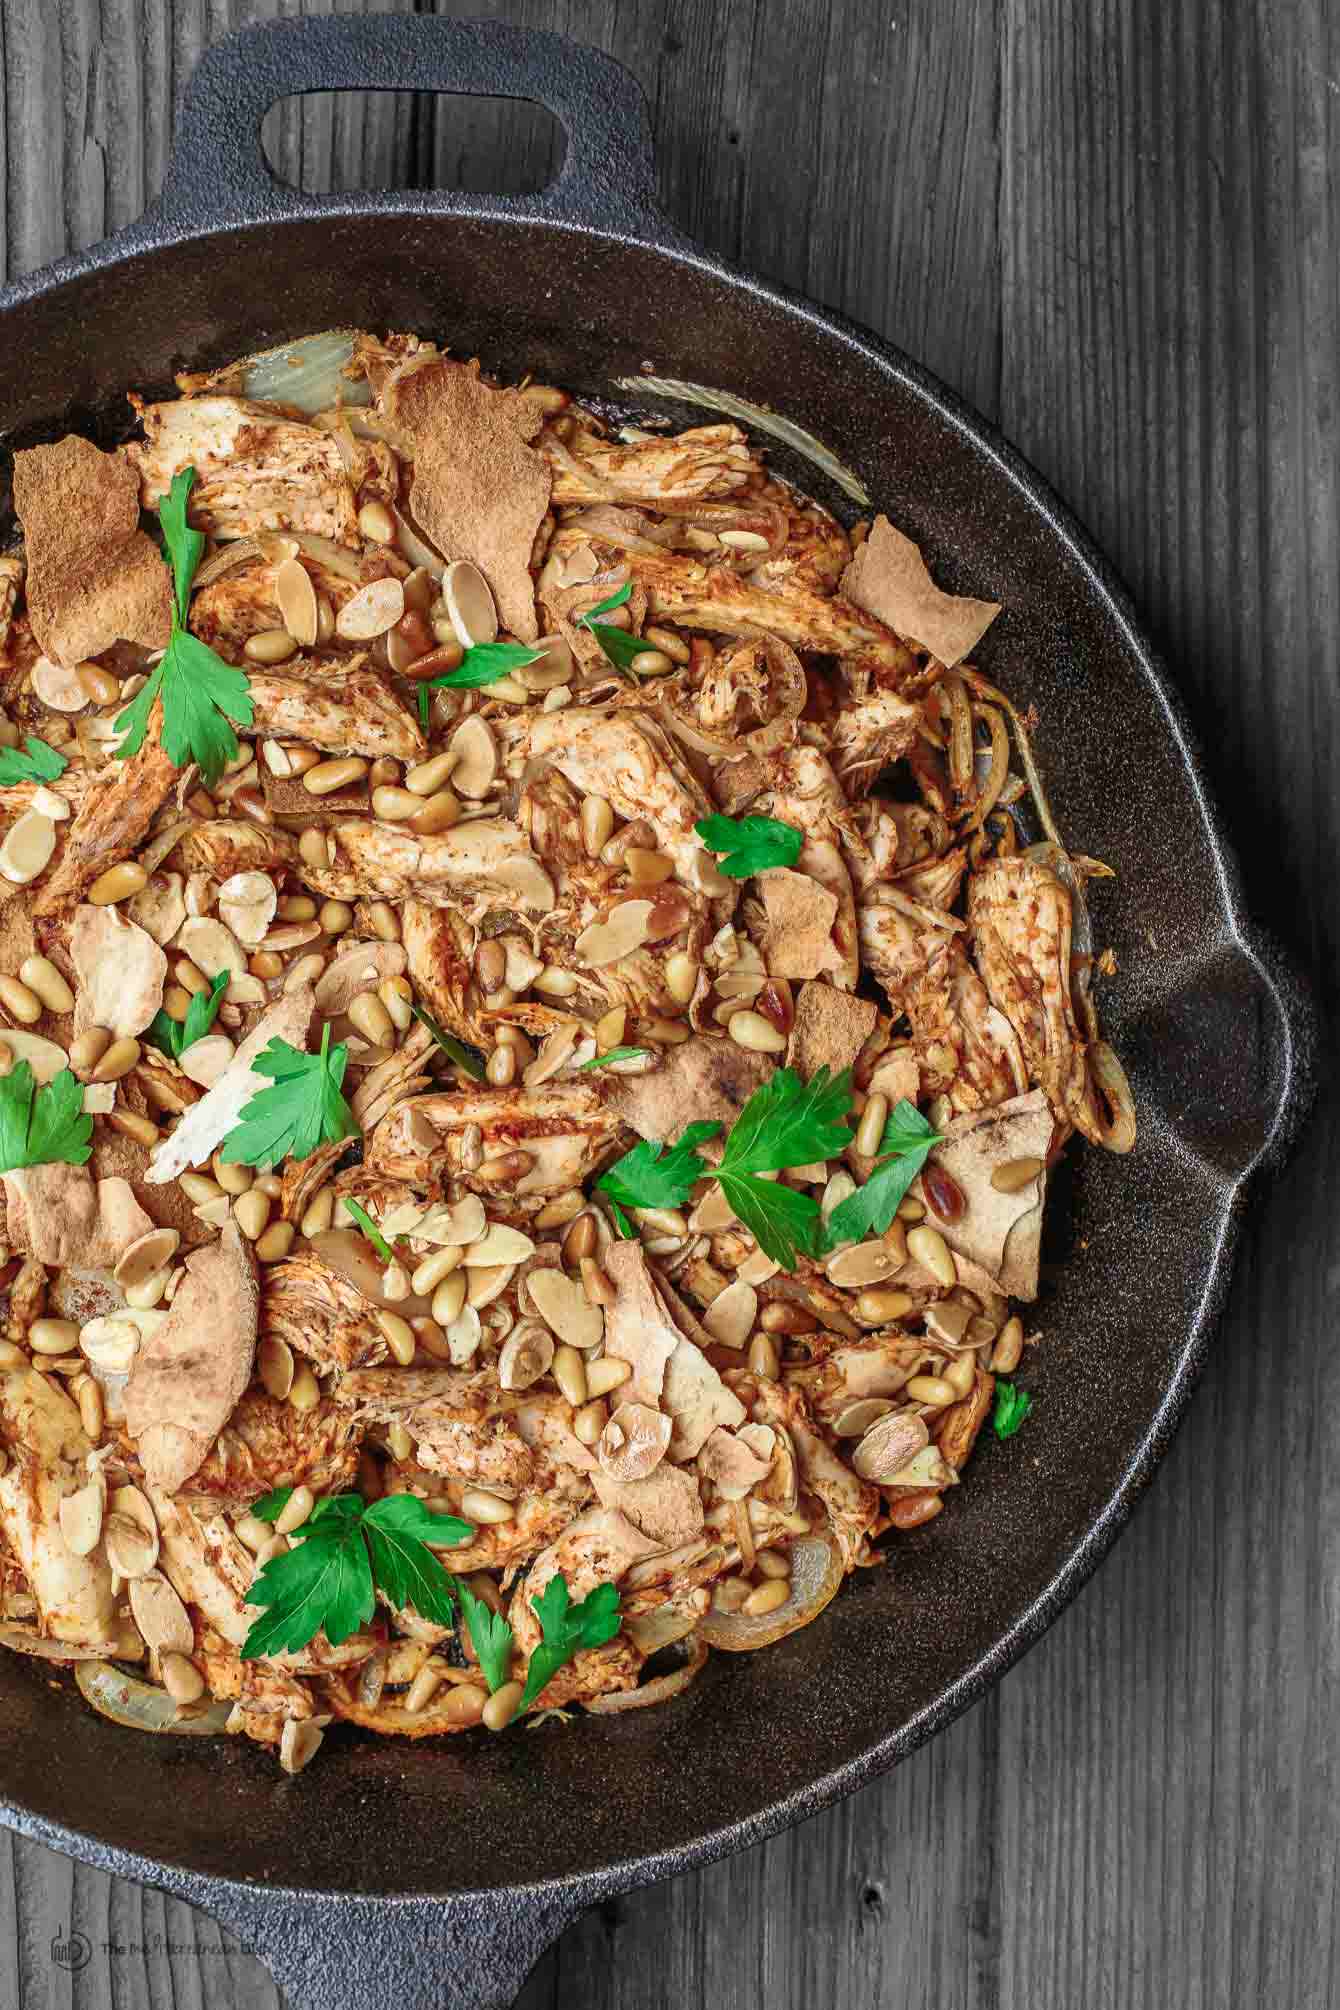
<point x="254" y="471"/>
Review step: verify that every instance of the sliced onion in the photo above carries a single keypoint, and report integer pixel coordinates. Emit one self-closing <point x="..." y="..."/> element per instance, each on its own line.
<point x="1115" y="1103"/>
<point x="336" y="558"/>
<point x="992" y="773"/>
<point x="412" y="545"/>
<point x="985" y="689"/>
<point x="816" y="1573"/>
<point x="140" y="1707"/>
<point x="961" y="766"/>
<point x="41" y="1647"/>
<point x="307" y="374"/>
<point x="651" y="1631"/>
<point x="784" y="697"/>
<point x="659" y="1690"/>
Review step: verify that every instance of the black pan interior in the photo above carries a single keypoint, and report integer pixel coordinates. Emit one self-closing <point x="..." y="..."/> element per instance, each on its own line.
<point x="760" y="1736"/>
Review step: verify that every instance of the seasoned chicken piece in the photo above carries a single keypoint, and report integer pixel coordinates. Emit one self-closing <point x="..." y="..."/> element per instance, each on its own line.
<point x="267" y="1697"/>
<point x="456" y="1420"/>
<point x="478" y="868"/>
<point x="267" y="1444"/>
<point x="222" y="847"/>
<point x="565" y="1128"/>
<point x="703" y="461"/>
<point x="47" y="1463"/>
<point x="209" y="1567"/>
<point x="897" y="949"/>
<point x="806" y="795"/>
<point x="596" y="1548"/>
<point x="11" y="579"/>
<point x="816" y="553"/>
<point x="1020" y="915"/>
<point x="394" y="1081"/>
<point x="868" y="735"/>
<point x="253" y="470"/>
<point x="852" y="1505"/>
<point x="967" y="1049"/>
<point x="351" y="711"/>
<point x="320" y="1316"/>
<point x="108" y="825"/>
<point x="540" y="1514"/>
<point x="628" y="759"/>
<point x="439" y="947"/>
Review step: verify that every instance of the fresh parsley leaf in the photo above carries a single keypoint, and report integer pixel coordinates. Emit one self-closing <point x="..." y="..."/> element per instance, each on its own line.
<point x="371" y="1231"/>
<point x="486" y="663"/>
<point x="785" y="1123"/>
<point x="618" y="598"/>
<point x="172" y="1037"/>
<point x="302" y="1110"/>
<point x="618" y="644"/>
<point x="614" y="1054"/>
<point x="490" y="1636"/>
<point x="201" y="693"/>
<point x="467" y="1060"/>
<point x="37" y="763"/>
<point x="567" y="1628"/>
<point x="622" y="1223"/>
<point x="325" y="1583"/>
<point x="907" y="1142"/>
<point x="42" y="1126"/>
<point x="750" y="844"/>
<point x="348" y="1549"/>
<point x="651" y="1176"/>
<point x="1012" y="1406"/>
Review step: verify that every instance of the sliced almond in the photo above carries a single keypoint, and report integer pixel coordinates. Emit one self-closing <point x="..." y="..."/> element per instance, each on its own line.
<point x="469" y="604"/>
<point x="48" y="804"/>
<point x="275" y="1367"/>
<point x="730" y="1317"/>
<point x="499" y="1244"/>
<point x="555" y="1052"/>
<point x="887" y="1446"/>
<point x="526" y="1354"/>
<point x="758" y="1268"/>
<point x="551" y="671"/>
<point x="476" y="754"/>
<point x="58" y="687"/>
<point x="27" y="848"/>
<point x="521" y="968"/>
<point x="144" y="1256"/>
<point x="634" y="1441"/>
<point x="464" y="1335"/>
<point x="297" y="601"/>
<point x="205" y="1060"/>
<point x="160" y="907"/>
<point x="489" y="1281"/>
<point x="712" y="1212"/>
<point x="212" y="947"/>
<point x="300" y="1741"/>
<point x="929" y="1468"/>
<point x="44" y="1057"/>
<point x="861" y="1263"/>
<point x="132" y="1549"/>
<point x="947" y="1322"/>
<point x="529" y="881"/>
<point x="81" y="1518"/>
<point x="371" y="611"/>
<point x="623" y="930"/>
<point x="110" y="1345"/>
<point x="562" y="1304"/>
<point x="853" y="1420"/>
<point x="160" y="1614"/>
<point x="247" y="903"/>
<point x="459" y="1222"/>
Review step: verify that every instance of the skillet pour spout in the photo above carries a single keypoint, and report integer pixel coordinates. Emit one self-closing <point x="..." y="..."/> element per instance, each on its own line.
<point x="374" y="1881"/>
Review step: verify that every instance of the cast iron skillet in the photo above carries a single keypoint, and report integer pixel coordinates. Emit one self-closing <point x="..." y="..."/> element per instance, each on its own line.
<point x="391" y="1874"/>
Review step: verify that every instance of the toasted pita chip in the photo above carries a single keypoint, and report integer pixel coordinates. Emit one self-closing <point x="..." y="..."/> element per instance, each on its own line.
<point x="798" y="937"/>
<point x="479" y="491"/>
<point x="189" y="1374"/>
<point x="1000" y="1232"/>
<point x="94" y="577"/>
<point x="829" y="1030"/>
<point x="888" y="578"/>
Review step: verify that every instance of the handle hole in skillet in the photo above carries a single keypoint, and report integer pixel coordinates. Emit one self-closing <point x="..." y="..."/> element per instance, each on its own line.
<point x="323" y="142"/>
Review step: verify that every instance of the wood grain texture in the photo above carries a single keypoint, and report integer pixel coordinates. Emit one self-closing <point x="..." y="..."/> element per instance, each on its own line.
<point x="1113" y="228"/>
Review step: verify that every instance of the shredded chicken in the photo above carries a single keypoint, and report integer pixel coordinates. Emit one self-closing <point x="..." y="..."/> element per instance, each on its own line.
<point x="390" y="1034"/>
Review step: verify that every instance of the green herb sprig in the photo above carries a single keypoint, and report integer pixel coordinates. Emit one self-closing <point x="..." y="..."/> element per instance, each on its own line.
<point x="466" y="1059"/>
<point x="201" y="693"/>
<point x="172" y="1037"/>
<point x="486" y="663"/>
<point x="567" y="1628"/>
<point x="42" y="1126"/>
<point x="907" y="1143"/>
<point x="614" y="1054"/>
<point x="1011" y="1407"/>
<point x="750" y="844"/>
<point x="37" y="763"/>
<point x="371" y="1231"/>
<point x="619" y="646"/>
<point x="303" y="1108"/>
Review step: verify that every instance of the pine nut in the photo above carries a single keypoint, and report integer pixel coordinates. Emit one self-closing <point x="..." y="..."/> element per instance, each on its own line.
<point x="681" y="976"/>
<point x="295" y="1510"/>
<point x="753" y="1032"/>
<point x="764" y="1358"/>
<point x="449" y="1297"/>
<point x="399" y="1336"/>
<point x="943" y="1194"/>
<point x="768" y="1597"/>
<point x="269" y="645"/>
<point x="490" y="965"/>
<point x="428" y="777"/>
<point x="119" y="882"/>
<point x="304" y="971"/>
<point x="569" y="1371"/>
<point x="319" y="1211"/>
<point x="1015" y="1175"/>
<point x="234" y="1179"/>
<point x="424" y="1687"/>
<point x="665" y="639"/>
<point x="335" y="916"/>
<point x="439" y="813"/>
<point x="910" y="1209"/>
<point x="89" y="1048"/>
<point x="6" y="1058"/>
<point x="306" y="1391"/>
<point x="930" y="1249"/>
<point x="597" y="821"/>
<point x="870" y="1130"/>
<point x="327" y="776"/>
<point x="1009" y="1347"/>
<point x="877" y="1307"/>
<point x="384" y="921"/>
<point x="604" y="1374"/>
<point x="773" y="1563"/>
<point x="12" y="1356"/>
<point x="399" y="1443"/>
<point x="199" y="1188"/>
<point x="397" y="996"/>
<point x="131" y="1125"/>
<point x="100" y="687"/>
<point x="478" y="1505"/>
<point x="181" y="1678"/>
<point x="429" y="1274"/>
<point x="176" y="1002"/>
<point x="53" y="1336"/>
<point x="251" y="1212"/>
<point x="274" y="1245"/>
<point x="45" y="982"/>
<point x="931" y="1389"/>
<point x="589" y="1422"/>
<point x="500" y="1068"/>
<point x="465" y="1705"/>
<point x="595" y="1284"/>
<point x="561" y="1210"/>
<point x="21" y="1003"/>
<point x="502" y="1706"/>
<point x="647" y="868"/>
<point x="960" y="1374"/>
<point x="384" y="773"/>
<point x="269" y="1182"/>
<point x="190" y="977"/>
<point x="251" y="1530"/>
<point x="394" y="805"/>
<point x="376" y="523"/>
<point x="91" y="1410"/>
<point x="555" y="983"/>
<point x="296" y="907"/>
<point x="370" y="1017"/>
<point x="781" y="1316"/>
<point x="580" y="1240"/>
<point x="117" y="1060"/>
<point x="317" y="849"/>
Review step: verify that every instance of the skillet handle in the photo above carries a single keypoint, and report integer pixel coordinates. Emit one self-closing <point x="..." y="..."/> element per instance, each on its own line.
<point x="1294" y="1044"/>
<point x="218" y="174"/>
<point x="470" y="1952"/>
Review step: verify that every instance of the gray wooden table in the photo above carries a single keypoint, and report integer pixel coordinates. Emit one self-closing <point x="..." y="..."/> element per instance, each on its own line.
<point x="1113" y="226"/>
